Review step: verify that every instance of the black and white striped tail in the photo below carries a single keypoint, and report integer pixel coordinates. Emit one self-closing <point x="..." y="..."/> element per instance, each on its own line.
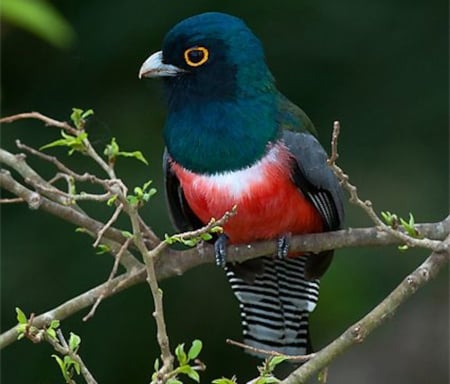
<point x="275" y="304"/>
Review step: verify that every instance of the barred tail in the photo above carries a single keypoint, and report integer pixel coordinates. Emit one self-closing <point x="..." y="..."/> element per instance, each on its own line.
<point x="275" y="303"/>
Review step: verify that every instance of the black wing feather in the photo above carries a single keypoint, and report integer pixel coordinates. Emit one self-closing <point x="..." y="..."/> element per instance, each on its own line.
<point x="317" y="182"/>
<point x="181" y="214"/>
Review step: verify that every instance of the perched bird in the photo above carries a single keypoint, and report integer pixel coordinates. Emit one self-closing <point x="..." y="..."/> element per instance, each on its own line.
<point x="232" y="139"/>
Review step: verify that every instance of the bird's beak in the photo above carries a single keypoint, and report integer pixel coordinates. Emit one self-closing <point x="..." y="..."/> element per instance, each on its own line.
<point x="154" y="67"/>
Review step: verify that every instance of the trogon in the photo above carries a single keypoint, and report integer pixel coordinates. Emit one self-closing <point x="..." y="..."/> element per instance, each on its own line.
<point x="232" y="139"/>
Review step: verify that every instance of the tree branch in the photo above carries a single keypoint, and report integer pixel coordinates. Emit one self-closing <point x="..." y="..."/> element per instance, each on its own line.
<point x="355" y="334"/>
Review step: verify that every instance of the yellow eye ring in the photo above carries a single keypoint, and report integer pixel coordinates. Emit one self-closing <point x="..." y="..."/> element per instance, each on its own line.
<point x="196" y="56"/>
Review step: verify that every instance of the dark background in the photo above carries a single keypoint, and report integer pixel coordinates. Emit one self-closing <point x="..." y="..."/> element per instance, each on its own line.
<point x="381" y="68"/>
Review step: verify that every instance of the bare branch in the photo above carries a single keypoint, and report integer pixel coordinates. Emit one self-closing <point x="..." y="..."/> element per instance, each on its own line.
<point x="367" y="206"/>
<point x="39" y="116"/>
<point x="110" y="222"/>
<point x="111" y="276"/>
<point x="297" y="358"/>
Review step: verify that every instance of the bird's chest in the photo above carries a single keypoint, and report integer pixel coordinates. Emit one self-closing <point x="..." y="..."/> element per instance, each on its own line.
<point x="267" y="201"/>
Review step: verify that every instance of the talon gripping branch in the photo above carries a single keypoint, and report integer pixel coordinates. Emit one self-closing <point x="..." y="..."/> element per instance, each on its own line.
<point x="233" y="139"/>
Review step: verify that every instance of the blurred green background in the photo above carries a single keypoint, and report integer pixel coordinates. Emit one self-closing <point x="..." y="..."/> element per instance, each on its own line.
<point x="381" y="68"/>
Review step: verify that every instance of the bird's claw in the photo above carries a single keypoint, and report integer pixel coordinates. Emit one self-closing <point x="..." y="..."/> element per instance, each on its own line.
<point x="220" y="248"/>
<point x="283" y="247"/>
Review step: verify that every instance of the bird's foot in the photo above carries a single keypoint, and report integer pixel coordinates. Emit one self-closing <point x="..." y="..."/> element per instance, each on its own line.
<point x="283" y="246"/>
<point x="220" y="248"/>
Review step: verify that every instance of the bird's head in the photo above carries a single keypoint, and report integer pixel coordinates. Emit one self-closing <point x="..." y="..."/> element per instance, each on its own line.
<point x="210" y="56"/>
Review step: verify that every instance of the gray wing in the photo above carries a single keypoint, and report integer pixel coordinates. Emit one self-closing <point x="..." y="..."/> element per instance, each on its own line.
<point x="315" y="179"/>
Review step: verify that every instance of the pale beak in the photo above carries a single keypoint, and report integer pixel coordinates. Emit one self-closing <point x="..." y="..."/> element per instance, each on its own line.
<point x="154" y="67"/>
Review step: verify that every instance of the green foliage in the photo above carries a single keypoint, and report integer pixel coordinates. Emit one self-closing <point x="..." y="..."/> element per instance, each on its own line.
<point x="266" y="375"/>
<point x="79" y="117"/>
<point x="187" y="364"/>
<point x="23" y="323"/>
<point x="192" y="241"/>
<point x="395" y="222"/>
<point x="102" y="248"/>
<point x="112" y="151"/>
<point x="390" y="219"/>
<point x="40" y="18"/>
<point x="141" y="194"/>
<point x="75" y="143"/>
<point x="224" y="380"/>
<point x="51" y="330"/>
<point x="68" y="364"/>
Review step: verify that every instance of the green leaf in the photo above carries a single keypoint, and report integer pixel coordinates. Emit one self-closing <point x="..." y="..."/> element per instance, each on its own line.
<point x="156" y="365"/>
<point x="77" y="367"/>
<point x="54" y="324"/>
<point x="111" y="200"/>
<point x="403" y="247"/>
<point x="267" y="380"/>
<point x="51" y="333"/>
<point x="136" y="154"/>
<point x="79" y="116"/>
<point x="276" y="360"/>
<point x="63" y="367"/>
<point x="174" y="381"/>
<point x="169" y="239"/>
<point x="21" y="318"/>
<point x="195" y="349"/>
<point x="40" y="18"/>
<point x="112" y="151"/>
<point x="75" y="143"/>
<point x="102" y="248"/>
<point x="180" y="354"/>
<point x="80" y="230"/>
<point x="224" y="380"/>
<point x="216" y="229"/>
<point x="206" y="236"/>
<point x="74" y="341"/>
<point x="409" y="226"/>
<point x="189" y="371"/>
<point x="127" y="234"/>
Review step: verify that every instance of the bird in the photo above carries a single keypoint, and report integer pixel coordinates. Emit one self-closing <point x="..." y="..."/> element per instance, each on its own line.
<point x="232" y="139"/>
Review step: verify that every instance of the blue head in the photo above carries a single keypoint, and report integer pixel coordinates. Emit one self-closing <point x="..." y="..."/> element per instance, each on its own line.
<point x="221" y="96"/>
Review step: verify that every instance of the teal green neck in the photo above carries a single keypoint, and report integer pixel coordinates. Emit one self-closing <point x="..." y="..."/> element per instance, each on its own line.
<point x="221" y="136"/>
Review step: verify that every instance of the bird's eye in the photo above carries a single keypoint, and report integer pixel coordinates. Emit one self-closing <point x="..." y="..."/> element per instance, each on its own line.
<point x="196" y="56"/>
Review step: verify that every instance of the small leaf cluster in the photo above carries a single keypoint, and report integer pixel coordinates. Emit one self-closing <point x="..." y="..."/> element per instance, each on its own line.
<point x="26" y="329"/>
<point x="266" y="375"/>
<point x="225" y="380"/>
<point x="112" y="151"/>
<point x="141" y="194"/>
<point x="67" y="364"/>
<point x="79" y="117"/>
<point x="188" y="364"/>
<point x="395" y="222"/>
<point x="192" y="241"/>
<point x="75" y="143"/>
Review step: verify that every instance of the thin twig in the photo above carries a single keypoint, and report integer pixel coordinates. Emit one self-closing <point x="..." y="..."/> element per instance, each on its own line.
<point x="110" y="277"/>
<point x="109" y="223"/>
<point x="86" y="177"/>
<point x="39" y="116"/>
<point x="367" y="205"/>
<point x="13" y="200"/>
<point x="63" y="348"/>
<point x="270" y="353"/>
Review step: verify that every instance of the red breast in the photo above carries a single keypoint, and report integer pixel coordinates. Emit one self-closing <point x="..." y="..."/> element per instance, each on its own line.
<point x="268" y="202"/>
